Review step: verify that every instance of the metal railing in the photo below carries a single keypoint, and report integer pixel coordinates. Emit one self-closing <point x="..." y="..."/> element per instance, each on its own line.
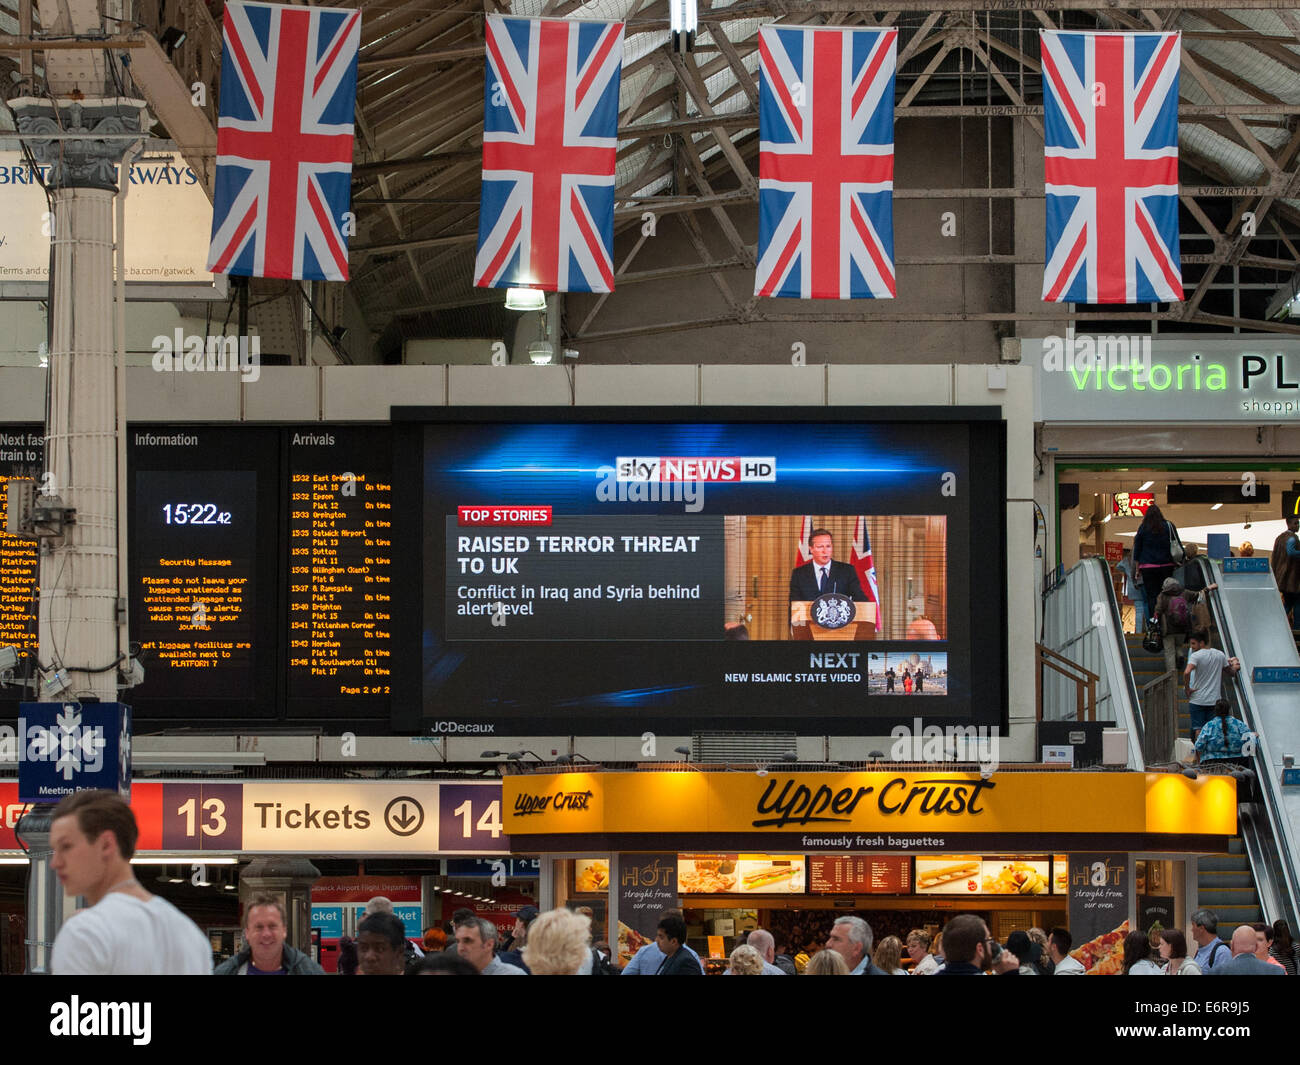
<point x="1160" y="717"/>
<point x="1081" y="623"/>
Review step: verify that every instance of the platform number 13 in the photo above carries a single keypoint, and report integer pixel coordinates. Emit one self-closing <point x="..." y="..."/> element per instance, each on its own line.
<point x="213" y="814"/>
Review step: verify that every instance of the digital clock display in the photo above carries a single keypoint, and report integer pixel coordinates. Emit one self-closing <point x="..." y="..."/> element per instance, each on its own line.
<point x="195" y="514"/>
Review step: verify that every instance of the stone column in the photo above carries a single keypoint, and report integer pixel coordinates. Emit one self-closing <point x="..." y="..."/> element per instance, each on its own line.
<point x="81" y="143"/>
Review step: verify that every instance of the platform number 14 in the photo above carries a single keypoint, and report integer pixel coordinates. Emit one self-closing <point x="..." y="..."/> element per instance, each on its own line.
<point x="489" y="822"/>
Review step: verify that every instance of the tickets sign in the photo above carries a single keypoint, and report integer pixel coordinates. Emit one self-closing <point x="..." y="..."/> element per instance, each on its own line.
<point x="317" y="817"/>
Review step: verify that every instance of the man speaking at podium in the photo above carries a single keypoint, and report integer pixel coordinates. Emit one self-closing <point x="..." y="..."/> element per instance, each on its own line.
<point x="823" y="575"/>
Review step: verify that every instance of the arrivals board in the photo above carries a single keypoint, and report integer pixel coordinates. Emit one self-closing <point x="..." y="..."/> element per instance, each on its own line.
<point x="340" y="563"/>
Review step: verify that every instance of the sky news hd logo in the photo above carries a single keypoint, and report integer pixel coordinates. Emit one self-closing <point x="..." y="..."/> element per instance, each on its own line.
<point x="699" y="469"/>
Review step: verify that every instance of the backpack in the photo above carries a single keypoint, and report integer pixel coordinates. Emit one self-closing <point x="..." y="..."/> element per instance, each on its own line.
<point x="1178" y="614"/>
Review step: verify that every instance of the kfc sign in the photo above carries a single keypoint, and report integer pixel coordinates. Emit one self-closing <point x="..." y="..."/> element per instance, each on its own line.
<point x="1132" y="504"/>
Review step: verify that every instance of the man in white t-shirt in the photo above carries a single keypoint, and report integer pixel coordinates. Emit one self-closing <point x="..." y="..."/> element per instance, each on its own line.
<point x="125" y="930"/>
<point x="1203" y="678"/>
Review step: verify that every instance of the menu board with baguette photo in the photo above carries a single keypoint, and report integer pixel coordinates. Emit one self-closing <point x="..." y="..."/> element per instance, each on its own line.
<point x="952" y="874"/>
<point x="740" y="874"/>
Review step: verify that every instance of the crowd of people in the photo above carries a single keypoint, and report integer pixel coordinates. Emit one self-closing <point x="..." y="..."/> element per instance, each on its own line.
<point x="558" y="943"/>
<point x="127" y="930"/>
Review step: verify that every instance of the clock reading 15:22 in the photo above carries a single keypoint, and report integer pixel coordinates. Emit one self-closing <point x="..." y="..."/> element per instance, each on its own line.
<point x="194" y="514"/>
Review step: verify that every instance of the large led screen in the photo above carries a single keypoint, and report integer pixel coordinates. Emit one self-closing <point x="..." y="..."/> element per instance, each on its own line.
<point x="606" y="572"/>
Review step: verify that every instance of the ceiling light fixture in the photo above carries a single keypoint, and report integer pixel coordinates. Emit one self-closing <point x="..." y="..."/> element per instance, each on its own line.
<point x="1144" y="487"/>
<point x="684" y="20"/>
<point x="182" y="861"/>
<point x="1216" y="506"/>
<point x="525" y="299"/>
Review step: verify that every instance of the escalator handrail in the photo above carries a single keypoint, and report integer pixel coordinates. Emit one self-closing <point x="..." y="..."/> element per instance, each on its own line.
<point x="1276" y="814"/>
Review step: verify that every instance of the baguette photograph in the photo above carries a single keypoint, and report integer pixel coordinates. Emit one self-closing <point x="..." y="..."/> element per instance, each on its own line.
<point x="953" y="875"/>
<point x="773" y="875"/>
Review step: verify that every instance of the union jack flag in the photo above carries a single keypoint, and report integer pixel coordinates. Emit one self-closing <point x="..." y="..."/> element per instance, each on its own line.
<point x="826" y="163"/>
<point x="1110" y="117"/>
<point x="866" y="567"/>
<point x="284" y="141"/>
<point x="550" y="136"/>
<point x="803" y="549"/>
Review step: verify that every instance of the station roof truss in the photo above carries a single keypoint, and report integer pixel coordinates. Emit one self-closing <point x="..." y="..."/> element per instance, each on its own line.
<point x="688" y="150"/>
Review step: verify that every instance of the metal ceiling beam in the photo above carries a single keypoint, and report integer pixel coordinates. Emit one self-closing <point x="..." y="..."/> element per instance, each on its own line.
<point x="1269" y="47"/>
<point x="1242" y="239"/>
<point x="866" y="317"/>
<point x="759" y="8"/>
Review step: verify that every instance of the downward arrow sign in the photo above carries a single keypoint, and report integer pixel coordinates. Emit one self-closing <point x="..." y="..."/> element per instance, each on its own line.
<point x="405" y="819"/>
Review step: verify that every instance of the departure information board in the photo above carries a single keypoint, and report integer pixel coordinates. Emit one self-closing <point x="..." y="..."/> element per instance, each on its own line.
<point x="340" y="564"/>
<point x="20" y="456"/>
<point x="205" y="539"/>
<point x="194" y="583"/>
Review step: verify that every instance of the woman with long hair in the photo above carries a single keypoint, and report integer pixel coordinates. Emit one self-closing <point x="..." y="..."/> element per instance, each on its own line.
<point x="1173" y="948"/>
<point x="1152" y="554"/>
<point x="889" y="954"/>
<point x="1284" y="948"/>
<point x="1222" y="736"/>
<point x="1137" y="956"/>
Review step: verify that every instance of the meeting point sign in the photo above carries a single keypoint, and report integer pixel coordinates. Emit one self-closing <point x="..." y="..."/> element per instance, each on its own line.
<point x="1242" y="378"/>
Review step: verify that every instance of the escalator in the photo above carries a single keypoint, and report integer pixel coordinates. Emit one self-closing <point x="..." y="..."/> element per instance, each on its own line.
<point x="1148" y="667"/>
<point x="1257" y="879"/>
<point x="1252" y="626"/>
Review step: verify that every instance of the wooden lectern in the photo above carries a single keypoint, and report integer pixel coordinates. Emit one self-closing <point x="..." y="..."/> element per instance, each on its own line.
<point x="802" y="627"/>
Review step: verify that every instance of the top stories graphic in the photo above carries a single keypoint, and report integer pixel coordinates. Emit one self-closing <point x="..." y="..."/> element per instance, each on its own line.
<point x="577" y="583"/>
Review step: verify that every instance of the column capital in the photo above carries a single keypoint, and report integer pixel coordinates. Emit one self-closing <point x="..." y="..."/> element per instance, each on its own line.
<point x="81" y="141"/>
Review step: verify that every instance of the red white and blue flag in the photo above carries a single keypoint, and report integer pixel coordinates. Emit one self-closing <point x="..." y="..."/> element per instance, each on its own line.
<point x="283" y="187"/>
<point x="866" y="567"/>
<point x="803" y="549"/>
<point x="550" y="136"/>
<point x="826" y="163"/>
<point x="1110" y="118"/>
